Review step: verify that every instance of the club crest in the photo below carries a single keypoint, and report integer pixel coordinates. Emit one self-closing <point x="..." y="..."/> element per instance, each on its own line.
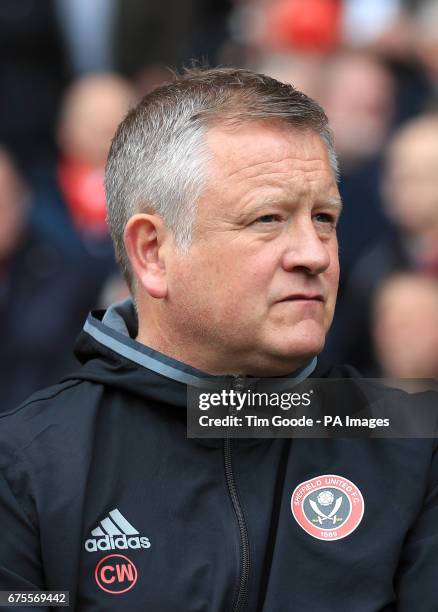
<point x="327" y="507"/>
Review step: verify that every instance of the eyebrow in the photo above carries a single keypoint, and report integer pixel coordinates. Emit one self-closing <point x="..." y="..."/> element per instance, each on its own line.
<point x="330" y="201"/>
<point x="337" y="202"/>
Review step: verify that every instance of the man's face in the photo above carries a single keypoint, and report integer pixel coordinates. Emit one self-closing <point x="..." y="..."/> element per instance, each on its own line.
<point x="256" y="292"/>
<point x="411" y="181"/>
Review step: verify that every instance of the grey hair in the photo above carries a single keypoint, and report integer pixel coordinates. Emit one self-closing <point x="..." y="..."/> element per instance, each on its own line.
<point x="158" y="159"/>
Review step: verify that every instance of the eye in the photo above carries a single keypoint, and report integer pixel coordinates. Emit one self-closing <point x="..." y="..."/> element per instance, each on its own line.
<point x="265" y="219"/>
<point x="326" y="219"/>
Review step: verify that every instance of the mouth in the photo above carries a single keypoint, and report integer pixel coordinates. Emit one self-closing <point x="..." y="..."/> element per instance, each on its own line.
<point x="303" y="297"/>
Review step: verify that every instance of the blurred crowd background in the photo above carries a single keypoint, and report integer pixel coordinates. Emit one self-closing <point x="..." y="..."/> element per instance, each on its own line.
<point x="70" y="69"/>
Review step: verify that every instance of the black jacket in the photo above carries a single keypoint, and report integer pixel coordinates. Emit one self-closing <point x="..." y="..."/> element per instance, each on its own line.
<point x="103" y="495"/>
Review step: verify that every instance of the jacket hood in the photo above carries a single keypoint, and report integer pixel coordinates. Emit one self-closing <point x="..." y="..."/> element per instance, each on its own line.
<point x="110" y="355"/>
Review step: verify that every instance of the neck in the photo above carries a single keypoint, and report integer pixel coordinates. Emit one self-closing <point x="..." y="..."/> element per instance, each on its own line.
<point x="211" y="361"/>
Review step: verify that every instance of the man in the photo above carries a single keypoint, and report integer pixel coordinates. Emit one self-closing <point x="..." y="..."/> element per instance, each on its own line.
<point x="410" y="190"/>
<point x="404" y="329"/>
<point x="223" y="205"/>
<point x="35" y="269"/>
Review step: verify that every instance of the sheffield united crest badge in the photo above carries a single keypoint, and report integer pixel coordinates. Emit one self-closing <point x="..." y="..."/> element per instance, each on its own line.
<point x="328" y="507"/>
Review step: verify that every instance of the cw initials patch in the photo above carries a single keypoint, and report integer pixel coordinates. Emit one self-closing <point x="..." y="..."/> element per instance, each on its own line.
<point x="115" y="574"/>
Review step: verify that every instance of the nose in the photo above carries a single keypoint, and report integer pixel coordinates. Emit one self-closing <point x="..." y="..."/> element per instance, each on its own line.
<point x="306" y="250"/>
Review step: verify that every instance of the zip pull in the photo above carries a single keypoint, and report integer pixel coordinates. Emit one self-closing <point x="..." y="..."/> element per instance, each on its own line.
<point x="239" y="383"/>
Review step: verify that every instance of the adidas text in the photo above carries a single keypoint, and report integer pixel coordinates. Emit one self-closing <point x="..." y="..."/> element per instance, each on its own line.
<point x="116" y="542"/>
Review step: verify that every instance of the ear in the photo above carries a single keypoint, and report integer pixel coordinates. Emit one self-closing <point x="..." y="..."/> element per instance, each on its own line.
<point x="144" y="237"/>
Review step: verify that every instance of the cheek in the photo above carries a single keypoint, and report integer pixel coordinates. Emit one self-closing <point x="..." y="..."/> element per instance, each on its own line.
<point x="235" y="271"/>
<point x="334" y="259"/>
<point x="205" y="290"/>
<point x="334" y="281"/>
<point x="234" y="297"/>
<point x="332" y="275"/>
<point x="225" y="285"/>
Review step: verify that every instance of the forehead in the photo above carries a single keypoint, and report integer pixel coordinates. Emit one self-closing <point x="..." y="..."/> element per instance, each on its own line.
<point x="416" y="145"/>
<point x="408" y="292"/>
<point x="260" y="140"/>
<point x="269" y="155"/>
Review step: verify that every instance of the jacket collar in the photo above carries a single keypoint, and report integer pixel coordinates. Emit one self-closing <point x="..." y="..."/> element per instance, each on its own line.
<point x="118" y="327"/>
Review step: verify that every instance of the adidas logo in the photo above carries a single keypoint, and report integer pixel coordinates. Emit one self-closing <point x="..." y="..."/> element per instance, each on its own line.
<point x="115" y="532"/>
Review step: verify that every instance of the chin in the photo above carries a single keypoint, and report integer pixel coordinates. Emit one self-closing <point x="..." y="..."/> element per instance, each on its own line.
<point x="304" y="345"/>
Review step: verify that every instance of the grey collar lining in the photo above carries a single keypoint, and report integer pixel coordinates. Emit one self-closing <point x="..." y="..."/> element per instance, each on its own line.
<point x="114" y="333"/>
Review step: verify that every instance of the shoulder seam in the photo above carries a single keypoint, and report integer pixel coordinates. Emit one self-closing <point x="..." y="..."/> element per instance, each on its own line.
<point x="41" y="399"/>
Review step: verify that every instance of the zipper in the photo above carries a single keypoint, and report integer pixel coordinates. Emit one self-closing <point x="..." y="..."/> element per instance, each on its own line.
<point x="242" y="593"/>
